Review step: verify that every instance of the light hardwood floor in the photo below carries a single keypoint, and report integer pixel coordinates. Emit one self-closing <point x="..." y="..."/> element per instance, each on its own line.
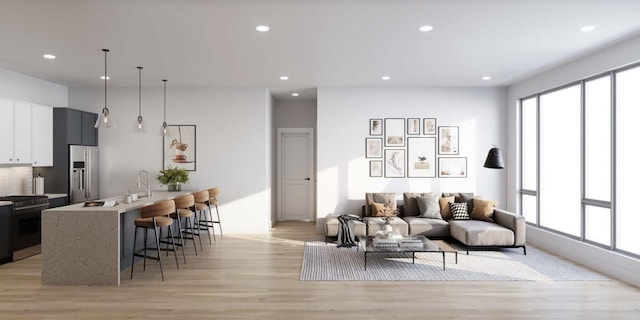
<point x="256" y="277"/>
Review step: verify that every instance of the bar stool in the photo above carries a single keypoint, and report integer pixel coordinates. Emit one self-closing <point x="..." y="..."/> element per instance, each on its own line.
<point x="213" y="201"/>
<point x="184" y="205"/>
<point x="154" y="216"/>
<point x="201" y="198"/>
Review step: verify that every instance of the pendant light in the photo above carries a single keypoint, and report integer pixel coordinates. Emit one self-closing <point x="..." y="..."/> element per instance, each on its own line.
<point x="104" y="119"/>
<point x="164" y="129"/>
<point x="138" y="125"/>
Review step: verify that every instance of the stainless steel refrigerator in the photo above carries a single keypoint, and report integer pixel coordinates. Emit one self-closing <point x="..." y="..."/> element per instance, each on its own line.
<point x="83" y="173"/>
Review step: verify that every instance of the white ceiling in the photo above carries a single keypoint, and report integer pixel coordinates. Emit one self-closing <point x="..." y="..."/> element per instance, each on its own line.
<point x="315" y="43"/>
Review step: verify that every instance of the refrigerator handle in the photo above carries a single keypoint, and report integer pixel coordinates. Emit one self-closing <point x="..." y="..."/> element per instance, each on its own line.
<point x="81" y="179"/>
<point x="87" y="190"/>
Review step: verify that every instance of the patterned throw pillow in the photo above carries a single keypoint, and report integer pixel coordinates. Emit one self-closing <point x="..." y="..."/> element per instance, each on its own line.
<point x="459" y="211"/>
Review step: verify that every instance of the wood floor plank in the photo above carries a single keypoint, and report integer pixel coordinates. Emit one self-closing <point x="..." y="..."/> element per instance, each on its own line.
<point x="256" y="277"/>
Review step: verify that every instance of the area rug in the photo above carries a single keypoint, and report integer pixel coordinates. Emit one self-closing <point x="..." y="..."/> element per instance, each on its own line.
<point x="325" y="261"/>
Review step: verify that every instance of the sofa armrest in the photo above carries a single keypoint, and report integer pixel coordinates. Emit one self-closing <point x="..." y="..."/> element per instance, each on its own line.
<point x="514" y="222"/>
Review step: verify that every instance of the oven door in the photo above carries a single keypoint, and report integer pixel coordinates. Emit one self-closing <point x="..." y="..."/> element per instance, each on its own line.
<point x="25" y="231"/>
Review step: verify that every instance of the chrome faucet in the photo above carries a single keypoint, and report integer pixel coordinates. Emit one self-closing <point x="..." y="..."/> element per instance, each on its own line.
<point x="147" y="192"/>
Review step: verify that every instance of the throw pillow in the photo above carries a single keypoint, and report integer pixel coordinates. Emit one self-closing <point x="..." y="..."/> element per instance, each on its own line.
<point x="381" y="210"/>
<point x="410" y="205"/>
<point x="459" y="211"/>
<point x="483" y="209"/>
<point x="429" y="207"/>
<point x="461" y="197"/>
<point x="379" y="198"/>
<point x="445" y="210"/>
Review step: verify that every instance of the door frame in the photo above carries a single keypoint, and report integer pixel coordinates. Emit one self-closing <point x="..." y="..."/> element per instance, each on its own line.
<point x="281" y="132"/>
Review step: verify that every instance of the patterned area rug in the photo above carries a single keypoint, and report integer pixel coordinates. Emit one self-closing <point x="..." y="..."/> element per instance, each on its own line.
<point x="323" y="261"/>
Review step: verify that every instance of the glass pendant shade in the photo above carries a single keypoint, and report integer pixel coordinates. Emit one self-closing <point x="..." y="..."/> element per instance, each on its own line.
<point x="165" y="131"/>
<point x="138" y="125"/>
<point x="104" y="119"/>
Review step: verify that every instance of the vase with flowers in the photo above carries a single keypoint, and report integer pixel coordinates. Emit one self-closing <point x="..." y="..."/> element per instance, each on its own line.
<point x="173" y="178"/>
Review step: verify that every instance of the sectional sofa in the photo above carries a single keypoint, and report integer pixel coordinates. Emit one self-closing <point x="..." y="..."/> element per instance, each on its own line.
<point x="484" y="227"/>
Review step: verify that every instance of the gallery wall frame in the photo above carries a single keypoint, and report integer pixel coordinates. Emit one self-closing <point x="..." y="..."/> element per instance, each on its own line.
<point x="394" y="163"/>
<point x="375" y="127"/>
<point x="421" y="157"/>
<point x="413" y="126"/>
<point x="429" y="126"/>
<point x="375" y="168"/>
<point x="450" y="167"/>
<point x="373" y="147"/>
<point x="179" y="150"/>
<point x="448" y="143"/>
<point x="394" y="132"/>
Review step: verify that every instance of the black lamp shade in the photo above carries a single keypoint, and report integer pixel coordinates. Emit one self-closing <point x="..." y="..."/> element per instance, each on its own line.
<point x="494" y="159"/>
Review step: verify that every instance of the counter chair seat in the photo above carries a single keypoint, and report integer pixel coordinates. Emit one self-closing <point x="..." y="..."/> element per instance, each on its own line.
<point x="156" y="217"/>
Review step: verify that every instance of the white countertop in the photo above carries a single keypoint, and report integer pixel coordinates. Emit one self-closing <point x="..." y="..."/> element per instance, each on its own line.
<point x="156" y="196"/>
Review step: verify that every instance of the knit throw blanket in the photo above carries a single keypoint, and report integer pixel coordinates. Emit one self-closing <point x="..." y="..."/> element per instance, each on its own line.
<point x="346" y="234"/>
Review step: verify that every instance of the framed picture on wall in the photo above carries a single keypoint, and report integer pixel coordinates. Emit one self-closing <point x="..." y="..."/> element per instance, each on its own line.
<point x="179" y="150"/>
<point x="373" y="147"/>
<point x="394" y="163"/>
<point x="394" y="132"/>
<point x="375" y="168"/>
<point x="448" y="140"/>
<point x="375" y="127"/>
<point x="429" y="126"/>
<point x="452" y="167"/>
<point x="413" y="126"/>
<point x="421" y="157"/>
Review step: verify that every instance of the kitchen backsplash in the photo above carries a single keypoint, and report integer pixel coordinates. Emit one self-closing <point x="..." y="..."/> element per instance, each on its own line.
<point x="16" y="180"/>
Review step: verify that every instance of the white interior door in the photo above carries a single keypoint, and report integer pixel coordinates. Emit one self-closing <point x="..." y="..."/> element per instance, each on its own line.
<point x="295" y="174"/>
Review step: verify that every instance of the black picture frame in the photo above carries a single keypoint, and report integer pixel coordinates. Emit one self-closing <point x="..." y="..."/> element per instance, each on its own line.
<point x="429" y="126"/>
<point x="394" y="132"/>
<point x="413" y="126"/>
<point x="179" y="149"/>
<point x="375" y="168"/>
<point x="375" y="127"/>
<point x="452" y="167"/>
<point x="373" y="148"/>
<point x="448" y="140"/>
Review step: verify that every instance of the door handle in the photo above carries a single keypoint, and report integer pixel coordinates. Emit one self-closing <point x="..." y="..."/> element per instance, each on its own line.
<point x="307" y="179"/>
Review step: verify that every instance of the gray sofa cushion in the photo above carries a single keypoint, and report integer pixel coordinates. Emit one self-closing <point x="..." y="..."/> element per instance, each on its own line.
<point x="428" y="227"/>
<point x="332" y="225"/>
<point x="376" y="224"/>
<point x="410" y="203"/>
<point x="481" y="233"/>
<point x="429" y="207"/>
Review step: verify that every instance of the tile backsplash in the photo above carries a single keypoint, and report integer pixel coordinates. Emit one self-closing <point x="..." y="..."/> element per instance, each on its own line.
<point x="16" y="180"/>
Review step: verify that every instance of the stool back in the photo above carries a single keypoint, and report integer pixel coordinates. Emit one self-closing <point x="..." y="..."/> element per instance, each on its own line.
<point x="162" y="208"/>
<point x="201" y="196"/>
<point x="184" y="202"/>
<point x="214" y="193"/>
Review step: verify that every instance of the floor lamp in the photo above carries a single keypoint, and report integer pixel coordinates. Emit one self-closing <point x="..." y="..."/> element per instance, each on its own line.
<point x="495" y="160"/>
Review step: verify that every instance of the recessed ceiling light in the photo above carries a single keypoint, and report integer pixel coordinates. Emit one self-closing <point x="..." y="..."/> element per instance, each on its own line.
<point x="102" y="77"/>
<point x="262" y="28"/>
<point x="284" y="78"/>
<point x="386" y="78"/>
<point x="295" y="94"/>
<point x="486" y="78"/>
<point x="48" y="56"/>
<point x="587" y="28"/>
<point x="426" y="28"/>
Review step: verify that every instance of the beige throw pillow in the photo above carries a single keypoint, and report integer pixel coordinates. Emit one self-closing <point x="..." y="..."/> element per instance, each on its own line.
<point x="445" y="210"/>
<point x="483" y="209"/>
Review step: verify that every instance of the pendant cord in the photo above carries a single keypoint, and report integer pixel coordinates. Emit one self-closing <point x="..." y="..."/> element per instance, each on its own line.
<point x="105" y="77"/>
<point x="140" y="91"/>
<point x="165" y="100"/>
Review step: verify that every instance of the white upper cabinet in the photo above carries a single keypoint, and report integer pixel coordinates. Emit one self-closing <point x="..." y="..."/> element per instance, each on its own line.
<point x="42" y="136"/>
<point x="6" y="131"/>
<point x="15" y="130"/>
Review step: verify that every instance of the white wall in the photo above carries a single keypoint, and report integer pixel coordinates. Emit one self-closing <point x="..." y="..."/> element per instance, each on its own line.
<point x="624" y="53"/>
<point x="233" y="145"/>
<point x="343" y="125"/>
<point x="17" y="86"/>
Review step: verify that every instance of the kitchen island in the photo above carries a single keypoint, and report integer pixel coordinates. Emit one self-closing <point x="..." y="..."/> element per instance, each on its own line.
<point x="91" y="245"/>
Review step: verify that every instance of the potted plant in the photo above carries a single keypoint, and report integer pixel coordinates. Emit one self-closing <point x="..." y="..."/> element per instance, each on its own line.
<point x="173" y="178"/>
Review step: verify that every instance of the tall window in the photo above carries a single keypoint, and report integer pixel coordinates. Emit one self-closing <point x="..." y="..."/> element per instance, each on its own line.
<point x="627" y="166"/>
<point x="571" y="146"/>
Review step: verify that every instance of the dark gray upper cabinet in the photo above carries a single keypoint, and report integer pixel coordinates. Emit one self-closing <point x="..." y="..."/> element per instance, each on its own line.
<point x="89" y="132"/>
<point x="78" y="126"/>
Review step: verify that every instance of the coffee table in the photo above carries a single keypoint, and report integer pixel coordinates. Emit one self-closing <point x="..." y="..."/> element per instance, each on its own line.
<point x="436" y="246"/>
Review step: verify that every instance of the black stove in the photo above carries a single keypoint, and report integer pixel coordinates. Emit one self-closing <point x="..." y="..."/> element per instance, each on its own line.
<point x="26" y="201"/>
<point x="26" y="224"/>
